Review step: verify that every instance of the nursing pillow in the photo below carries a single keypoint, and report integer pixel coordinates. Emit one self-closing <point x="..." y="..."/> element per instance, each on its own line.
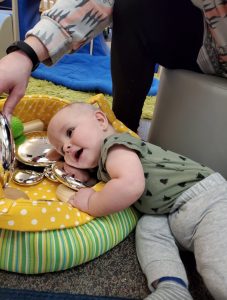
<point x="42" y="234"/>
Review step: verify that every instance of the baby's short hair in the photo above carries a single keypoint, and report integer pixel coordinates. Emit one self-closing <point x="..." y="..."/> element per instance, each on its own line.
<point x="83" y="105"/>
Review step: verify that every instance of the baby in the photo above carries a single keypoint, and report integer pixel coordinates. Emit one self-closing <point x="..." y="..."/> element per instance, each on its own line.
<point x="184" y="203"/>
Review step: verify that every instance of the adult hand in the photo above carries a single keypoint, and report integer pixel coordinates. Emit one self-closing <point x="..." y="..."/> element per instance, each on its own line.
<point x="15" y="70"/>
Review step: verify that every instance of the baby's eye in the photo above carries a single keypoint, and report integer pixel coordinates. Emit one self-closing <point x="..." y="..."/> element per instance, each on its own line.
<point x="69" y="132"/>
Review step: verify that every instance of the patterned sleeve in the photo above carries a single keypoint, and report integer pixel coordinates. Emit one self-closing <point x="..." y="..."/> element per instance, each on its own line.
<point x="212" y="57"/>
<point x="70" y="24"/>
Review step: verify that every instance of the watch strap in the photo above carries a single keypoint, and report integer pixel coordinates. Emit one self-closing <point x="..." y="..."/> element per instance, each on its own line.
<point x="28" y="50"/>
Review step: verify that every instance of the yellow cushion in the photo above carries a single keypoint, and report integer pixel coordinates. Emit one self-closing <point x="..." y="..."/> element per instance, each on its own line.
<point x="43" y="211"/>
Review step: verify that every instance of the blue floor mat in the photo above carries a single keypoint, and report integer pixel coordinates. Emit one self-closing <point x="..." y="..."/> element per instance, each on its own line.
<point x="83" y="72"/>
<point x="15" y="294"/>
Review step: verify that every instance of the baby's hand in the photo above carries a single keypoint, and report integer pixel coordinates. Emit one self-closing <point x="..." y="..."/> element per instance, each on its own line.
<point x="82" y="175"/>
<point x="80" y="199"/>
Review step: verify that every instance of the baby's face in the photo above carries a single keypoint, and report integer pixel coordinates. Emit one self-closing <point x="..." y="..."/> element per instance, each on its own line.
<point x="77" y="136"/>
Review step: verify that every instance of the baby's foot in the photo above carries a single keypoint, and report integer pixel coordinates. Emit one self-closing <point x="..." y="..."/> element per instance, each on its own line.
<point x="170" y="290"/>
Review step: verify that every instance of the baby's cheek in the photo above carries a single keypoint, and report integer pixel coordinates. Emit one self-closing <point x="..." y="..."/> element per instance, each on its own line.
<point x="68" y="160"/>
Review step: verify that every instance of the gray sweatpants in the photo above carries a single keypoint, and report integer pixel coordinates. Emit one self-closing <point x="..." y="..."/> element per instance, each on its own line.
<point x="198" y="223"/>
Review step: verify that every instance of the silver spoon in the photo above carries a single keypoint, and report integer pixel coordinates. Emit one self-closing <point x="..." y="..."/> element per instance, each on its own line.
<point x="27" y="177"/>
<point x="7" y="151"/>
<point x="63" y="177"/>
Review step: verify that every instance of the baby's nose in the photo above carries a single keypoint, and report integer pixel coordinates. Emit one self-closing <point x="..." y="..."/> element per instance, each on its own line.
<point x="67" y="147"/>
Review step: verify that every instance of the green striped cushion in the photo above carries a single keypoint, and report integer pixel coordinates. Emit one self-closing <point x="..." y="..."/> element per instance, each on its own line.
<point x="54" y="250"/>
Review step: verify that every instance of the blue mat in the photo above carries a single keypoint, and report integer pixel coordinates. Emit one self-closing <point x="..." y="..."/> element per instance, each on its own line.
<point x="83" y="72"/>
<point x="15" y="294"/>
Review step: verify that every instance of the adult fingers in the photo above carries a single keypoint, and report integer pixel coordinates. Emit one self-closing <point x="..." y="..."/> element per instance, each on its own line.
<point x="11" y="102"/>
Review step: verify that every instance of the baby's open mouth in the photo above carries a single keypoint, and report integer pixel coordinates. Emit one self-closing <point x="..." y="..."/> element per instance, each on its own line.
<point x="78" y="153"/>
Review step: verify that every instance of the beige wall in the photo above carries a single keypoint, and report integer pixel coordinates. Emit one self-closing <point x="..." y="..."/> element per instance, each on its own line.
<point x="46" y="4"/>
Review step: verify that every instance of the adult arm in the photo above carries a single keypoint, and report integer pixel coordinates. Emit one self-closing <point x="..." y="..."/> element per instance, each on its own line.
<point x="15" y="70"/>
<point x="64" y="28"/>
<point x="68" y="25"/>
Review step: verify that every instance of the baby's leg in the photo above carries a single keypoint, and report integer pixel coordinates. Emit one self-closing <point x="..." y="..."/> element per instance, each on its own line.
<point x="159" y="259"/>
<point x="210" y="248"/>
<point x="201" y="226"/>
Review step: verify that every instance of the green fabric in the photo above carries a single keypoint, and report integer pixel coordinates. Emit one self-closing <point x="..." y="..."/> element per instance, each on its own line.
<point x="167" y="174"/>
<point x="17" y="127"/>
<point x="54" y="250"/>
<point x="44" y="87"/>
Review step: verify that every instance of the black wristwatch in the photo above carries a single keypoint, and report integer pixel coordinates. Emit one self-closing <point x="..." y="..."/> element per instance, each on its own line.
<point x="28" y="50"/>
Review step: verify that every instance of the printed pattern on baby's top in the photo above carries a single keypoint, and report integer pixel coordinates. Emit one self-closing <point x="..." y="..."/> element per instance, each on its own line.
<point x="167" y="174"/>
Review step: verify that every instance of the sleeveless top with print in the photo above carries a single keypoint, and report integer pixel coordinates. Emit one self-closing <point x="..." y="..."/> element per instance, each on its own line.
<point x="167" y="174"/>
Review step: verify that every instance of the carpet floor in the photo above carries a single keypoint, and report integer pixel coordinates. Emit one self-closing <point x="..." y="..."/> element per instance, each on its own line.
<point x="44" y="87"/>
<point x="114" y="274"/>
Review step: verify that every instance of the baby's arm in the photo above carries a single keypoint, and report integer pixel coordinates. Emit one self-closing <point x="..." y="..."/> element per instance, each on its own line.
<point x="125" y="187"/>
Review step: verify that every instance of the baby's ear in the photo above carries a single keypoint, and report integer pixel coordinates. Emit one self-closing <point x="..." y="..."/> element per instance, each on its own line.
<point x="52" y="154"/>
<point x="102" y="119"/>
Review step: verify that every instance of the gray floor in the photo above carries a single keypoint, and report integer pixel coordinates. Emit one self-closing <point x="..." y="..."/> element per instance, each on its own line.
<point x="116" y="273"/>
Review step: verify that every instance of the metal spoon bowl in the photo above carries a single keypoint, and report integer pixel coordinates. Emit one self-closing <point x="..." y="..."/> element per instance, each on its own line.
<point x="7" y="151"/>
<point x="27" y="177"/>
<point x="66" y="179"/>
<point x="33" y="151"/>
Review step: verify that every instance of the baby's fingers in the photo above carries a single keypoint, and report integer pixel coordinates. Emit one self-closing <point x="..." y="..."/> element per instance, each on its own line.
<point x="72" y="200"/>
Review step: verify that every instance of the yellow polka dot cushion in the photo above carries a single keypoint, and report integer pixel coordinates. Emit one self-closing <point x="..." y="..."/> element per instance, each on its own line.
<point x="42" y="234"/>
